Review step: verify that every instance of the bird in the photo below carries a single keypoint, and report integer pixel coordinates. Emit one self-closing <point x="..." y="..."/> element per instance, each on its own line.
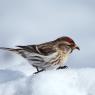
<point x="48" y="55"/>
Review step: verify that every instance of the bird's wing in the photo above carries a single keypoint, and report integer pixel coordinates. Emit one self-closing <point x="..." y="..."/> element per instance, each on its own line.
<point x="42" y="49"/>
<point x="46" y="49"/>
<point x="29" y="48"/>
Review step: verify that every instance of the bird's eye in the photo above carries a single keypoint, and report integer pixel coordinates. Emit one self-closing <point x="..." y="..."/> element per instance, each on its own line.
<point x="64" y="47"/>
<point x="68" y="46"/>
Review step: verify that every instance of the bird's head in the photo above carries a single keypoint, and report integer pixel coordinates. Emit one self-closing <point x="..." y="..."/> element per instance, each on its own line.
<point x="66" y="44"/>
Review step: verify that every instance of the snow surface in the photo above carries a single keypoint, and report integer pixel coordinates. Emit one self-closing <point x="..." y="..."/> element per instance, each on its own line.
<point x="54" y="82"/>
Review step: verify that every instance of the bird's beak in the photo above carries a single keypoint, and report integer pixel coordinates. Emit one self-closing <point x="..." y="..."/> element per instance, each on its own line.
<point x="76" y="47"/>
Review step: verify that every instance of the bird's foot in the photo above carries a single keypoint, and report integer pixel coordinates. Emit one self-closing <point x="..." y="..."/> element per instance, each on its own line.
<point x="39" y="71"/>
<point x="62" y="67"/>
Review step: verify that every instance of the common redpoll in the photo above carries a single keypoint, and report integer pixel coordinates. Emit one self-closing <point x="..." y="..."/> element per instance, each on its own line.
<point x="49" y="55"/>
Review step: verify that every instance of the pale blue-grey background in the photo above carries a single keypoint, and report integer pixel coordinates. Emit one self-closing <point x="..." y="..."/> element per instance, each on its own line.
<point x="25" y="22"/>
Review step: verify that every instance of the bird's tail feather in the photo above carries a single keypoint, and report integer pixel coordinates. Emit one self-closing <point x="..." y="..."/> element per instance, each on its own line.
<point x="9" y="49"/>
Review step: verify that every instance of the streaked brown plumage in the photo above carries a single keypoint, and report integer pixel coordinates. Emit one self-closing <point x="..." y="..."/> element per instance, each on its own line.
<point x="50" y="55"/>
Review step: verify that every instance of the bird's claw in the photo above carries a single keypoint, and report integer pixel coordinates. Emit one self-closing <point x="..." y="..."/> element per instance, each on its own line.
<point x="62" y="67"/>
<point x="39" y="71"/>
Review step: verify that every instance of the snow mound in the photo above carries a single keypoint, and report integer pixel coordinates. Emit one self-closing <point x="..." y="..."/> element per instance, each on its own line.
<point x="55" y="82"/>
<point x="9" y="75"/>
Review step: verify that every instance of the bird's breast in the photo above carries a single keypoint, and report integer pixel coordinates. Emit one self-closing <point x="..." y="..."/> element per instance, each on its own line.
<point x="64" y="57"/>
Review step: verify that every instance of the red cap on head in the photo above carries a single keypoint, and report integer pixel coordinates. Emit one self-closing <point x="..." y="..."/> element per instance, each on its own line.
<point x="68" y="39"/>
<point x="65" y="38"/>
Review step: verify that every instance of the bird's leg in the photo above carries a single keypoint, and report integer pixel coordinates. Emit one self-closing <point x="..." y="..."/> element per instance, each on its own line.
<point x="38" y="71"/>
<point x="62" y="67"/>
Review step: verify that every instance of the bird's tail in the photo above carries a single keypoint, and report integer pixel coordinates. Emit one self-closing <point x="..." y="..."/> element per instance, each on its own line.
<point x="15" y="50"/>
<point x="9" y="49"/>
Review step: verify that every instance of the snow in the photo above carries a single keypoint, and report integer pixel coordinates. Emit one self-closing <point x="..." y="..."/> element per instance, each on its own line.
<point x="52" y="82"/>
